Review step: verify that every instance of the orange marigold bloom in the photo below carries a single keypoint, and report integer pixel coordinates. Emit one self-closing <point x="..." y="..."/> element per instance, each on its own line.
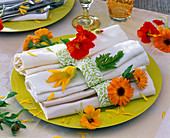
<point x="91" y="119"/>
<point x="141" y="78"/>
<point x="42" y="34"/>
<point x="120" y="91"/>
<point x="162" y="41"/>
<point x="28" y="44"/>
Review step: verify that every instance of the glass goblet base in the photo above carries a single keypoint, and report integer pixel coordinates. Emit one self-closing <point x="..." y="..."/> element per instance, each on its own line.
<point x="90" y="23"/>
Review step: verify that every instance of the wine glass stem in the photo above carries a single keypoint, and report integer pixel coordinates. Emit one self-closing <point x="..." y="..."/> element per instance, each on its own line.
<point x="86" y="19"/>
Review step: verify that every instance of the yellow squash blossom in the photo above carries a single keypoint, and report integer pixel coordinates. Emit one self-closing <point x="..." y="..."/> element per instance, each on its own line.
<point x="62" y="76"/>
<point x="91" y="119"/>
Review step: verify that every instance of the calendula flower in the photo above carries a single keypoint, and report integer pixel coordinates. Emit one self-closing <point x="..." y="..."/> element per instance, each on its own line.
<point x="79" y="47"/>
<point x="28" y="43"/>
<point x="158" y="22"/>
<point x="162" y="41"/>
<point x="87" y="34"/>
<point x="141" y="78"/>
<point x="147" y="31"/>
<point x="62" y="76"/>
<point x="120" y="91"/>
<point x="43" y="35"/>
<point x="91" y="119"/>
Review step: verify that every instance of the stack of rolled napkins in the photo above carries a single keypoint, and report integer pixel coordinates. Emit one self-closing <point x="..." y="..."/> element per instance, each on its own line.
<point x="112" y="40"/>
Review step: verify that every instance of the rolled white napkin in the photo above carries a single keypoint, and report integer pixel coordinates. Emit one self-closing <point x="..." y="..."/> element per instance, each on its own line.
<point x="79" y="95"/>
<point x="23" y="62"/>
<point x="70" y="98"/>
<point x="77" y="84"/>
<point x="69" y="108"/>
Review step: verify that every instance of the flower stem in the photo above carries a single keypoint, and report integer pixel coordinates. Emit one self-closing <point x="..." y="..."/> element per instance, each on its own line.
<point x="2" y="10"/>
<point x="86" y="19"/>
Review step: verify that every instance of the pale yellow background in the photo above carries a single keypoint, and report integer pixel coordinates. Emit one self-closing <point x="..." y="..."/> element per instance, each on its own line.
<point x="144" y="126"/>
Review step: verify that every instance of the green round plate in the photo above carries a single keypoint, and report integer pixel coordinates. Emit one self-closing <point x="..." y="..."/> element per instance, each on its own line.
<point x="57" y="14"/>
<point x="135" y="107"/>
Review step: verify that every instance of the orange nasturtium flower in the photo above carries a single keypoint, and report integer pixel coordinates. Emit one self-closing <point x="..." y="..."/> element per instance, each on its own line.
<point x="84" y="32"/>
<point x="146" y="32"/>
<point x="61" y="76"/>
<point x="162" y="41"/>
<point x="120" y="91"/>
<point x="79" y="47"/>
<point x="43" y="34"/>
<point x="91" y="119"/>
<point x="158" y="22"/>
<point x="141" y="78"/>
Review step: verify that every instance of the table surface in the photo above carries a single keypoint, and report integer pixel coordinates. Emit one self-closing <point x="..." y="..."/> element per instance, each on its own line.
<point x="162" y="6"/>
<point x="143" y="126"/>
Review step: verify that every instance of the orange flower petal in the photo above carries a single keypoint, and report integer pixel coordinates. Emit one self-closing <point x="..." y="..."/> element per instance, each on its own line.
<point x="89" y="109"/>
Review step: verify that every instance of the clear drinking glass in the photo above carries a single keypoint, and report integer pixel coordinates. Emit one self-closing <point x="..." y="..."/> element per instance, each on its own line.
<point x="120" y="10"/>
<point x="87" y="21"/>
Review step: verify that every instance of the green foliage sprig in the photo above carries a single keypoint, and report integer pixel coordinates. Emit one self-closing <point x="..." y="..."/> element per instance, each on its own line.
<point x="128" y="73"/>
<point x="64" y="40"/>
<point x="106" y="62"/>
<point x="81" y="111"/>
<point x="12" y="121"/>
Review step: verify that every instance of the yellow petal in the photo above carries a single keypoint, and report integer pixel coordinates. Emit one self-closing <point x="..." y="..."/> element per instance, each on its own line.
<point x="50" y="16"/>
<point x="56" y="76"/>
<point x="63" y="120"/>
<point x="37" y="21"/>
<point x="26" y="101"/>
<point x="58" y="83"/>
<point x="109" y="115"/>
<point x="25" y="1"/>
<point x="37" y="113"/>
<point x="82" y="133"/>
<point x="68" y="120"/>
<point x="31" y="54"/>
<point x="35" y="108"/>
<point x="37" y="1"/>
<point x="122" y="108"/>
<point x="163" y="114"/>
<point x="24" y="7"/>
<point x="127" y="114"/>
<point x="89" y="109"/>
<point x="26" y="120"/>
<point x="57" y="137"/>
<point x="146" y="99"/>
<point x="51" y="96"/>
<point x="83" y="136"/>
<point x="2" y="97"/>
<point x="65" y="83"/>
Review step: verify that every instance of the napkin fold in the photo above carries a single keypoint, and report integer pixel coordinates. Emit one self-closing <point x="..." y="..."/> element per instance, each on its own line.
<point x="59" y="109"/>
<point x="42" y="16"/>
<point x="42" y="90"/>
<point x="24" y="65"/>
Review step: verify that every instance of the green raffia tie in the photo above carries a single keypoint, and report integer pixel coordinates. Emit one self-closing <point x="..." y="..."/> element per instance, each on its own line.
<point x="102" y="93"/>
<point x="90" y="71"/>
<point x="65" y="58"/>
